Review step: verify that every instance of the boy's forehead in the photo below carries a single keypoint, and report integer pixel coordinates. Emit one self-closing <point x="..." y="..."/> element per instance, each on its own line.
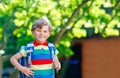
<point x="43" y="27"/>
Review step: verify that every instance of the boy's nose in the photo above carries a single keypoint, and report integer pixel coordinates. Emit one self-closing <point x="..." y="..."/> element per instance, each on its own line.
<point x="41" y="32"/>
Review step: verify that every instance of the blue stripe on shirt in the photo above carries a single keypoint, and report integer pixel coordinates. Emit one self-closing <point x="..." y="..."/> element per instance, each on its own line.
<point x="40" y="56"/>
<point x="44" y="76"/>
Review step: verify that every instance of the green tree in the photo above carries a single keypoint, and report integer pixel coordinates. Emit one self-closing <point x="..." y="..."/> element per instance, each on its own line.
<point x="70" y="19"/>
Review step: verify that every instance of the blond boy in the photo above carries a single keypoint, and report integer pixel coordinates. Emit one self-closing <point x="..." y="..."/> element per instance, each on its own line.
<point x="42" y="64"/>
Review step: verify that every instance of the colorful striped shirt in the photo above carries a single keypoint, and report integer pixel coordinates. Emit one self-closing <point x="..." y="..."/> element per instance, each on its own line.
<point x="41" y="60"/>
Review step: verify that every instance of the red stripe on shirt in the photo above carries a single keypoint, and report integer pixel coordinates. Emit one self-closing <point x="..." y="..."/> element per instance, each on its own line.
<point x="43" y="61"/>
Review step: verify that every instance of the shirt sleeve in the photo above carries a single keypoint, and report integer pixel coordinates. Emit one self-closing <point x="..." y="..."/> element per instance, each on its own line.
<point x="23" y="51"/>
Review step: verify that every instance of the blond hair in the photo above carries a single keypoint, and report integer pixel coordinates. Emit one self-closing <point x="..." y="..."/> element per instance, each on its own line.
<point x="39" y="23"/>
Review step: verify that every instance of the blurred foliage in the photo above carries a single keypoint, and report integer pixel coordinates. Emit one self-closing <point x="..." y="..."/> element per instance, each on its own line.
<point x="70" y="18"/>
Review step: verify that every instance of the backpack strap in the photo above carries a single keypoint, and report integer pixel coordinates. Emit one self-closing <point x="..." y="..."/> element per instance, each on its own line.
<point x="52" y="50"/>
<point x="30" y="49"/>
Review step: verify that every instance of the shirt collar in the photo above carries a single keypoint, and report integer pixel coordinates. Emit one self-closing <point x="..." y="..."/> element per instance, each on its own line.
<point x="36" y="43"/>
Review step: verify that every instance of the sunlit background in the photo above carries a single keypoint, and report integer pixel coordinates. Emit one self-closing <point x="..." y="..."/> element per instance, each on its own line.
<point x="71" y="19"/>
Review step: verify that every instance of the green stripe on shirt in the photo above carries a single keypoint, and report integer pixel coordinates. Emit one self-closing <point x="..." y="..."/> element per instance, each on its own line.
<point x="38" y="51"/>
<point x="43" y="72"/>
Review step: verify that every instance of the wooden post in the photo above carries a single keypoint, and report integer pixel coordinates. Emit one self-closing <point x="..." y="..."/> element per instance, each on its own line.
<point x="0" y="66"/>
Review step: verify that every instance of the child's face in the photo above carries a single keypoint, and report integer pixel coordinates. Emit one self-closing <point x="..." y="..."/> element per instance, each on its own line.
<point x="42" y="34"/>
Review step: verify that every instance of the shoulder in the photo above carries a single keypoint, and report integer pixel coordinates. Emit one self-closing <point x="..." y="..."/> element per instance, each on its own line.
<point x="30" y="44"/>
<point x="52" y="47"/>
<point x="51" y="44"/>
<point x="25" y="47"/>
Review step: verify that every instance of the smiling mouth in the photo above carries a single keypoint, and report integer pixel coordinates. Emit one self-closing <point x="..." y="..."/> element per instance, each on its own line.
<point x="41" y="37"/>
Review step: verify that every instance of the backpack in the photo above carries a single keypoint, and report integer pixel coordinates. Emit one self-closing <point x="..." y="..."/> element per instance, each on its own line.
<point x="26" y="61"/>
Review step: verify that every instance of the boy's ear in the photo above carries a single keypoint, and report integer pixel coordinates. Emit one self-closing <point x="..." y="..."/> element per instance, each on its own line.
<point x="33" y="32"/>
<point x="49" y="35"/>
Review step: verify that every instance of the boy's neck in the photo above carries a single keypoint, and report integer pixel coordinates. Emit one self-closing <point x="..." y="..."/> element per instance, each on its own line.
<point x="40" y="43"/>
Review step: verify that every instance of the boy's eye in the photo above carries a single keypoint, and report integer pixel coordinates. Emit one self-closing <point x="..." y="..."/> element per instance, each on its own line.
<point x="45" y="31"/>
<point x="38" y="30"/>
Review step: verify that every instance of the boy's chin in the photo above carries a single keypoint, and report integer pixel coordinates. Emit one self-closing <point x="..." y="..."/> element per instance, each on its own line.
<point x="41" y="41"/>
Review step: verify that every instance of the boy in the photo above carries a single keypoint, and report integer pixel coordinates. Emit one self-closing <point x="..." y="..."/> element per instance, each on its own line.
<point x="42" y="64"/>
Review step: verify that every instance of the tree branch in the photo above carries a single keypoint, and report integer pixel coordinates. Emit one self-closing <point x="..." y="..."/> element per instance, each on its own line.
<point x="82" y="14"/>
<point x="116" y="5"/>
<point x="76" y="11"/>
<point x="80" y="17"/>
<point x="112" y="17"/>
